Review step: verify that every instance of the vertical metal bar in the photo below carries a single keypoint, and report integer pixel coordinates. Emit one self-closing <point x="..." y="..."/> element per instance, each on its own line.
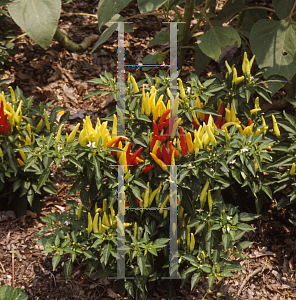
<point x="120" y="81"/>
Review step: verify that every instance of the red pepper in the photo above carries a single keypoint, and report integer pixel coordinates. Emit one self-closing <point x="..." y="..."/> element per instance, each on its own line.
<point x="170" y="155"/>
<point x="218" y="121"/>
<point x="135" y="163"/>
<point x="132" y="159"/>
<point x="221" y="109"/>
<point x="171" y="124"/>
<point x="183" y="142"/>
<point x="250" y="121"/>
<point x="163" y="124"/>
<point x="161" y="138"/>
<point x="155" y="130"/>
<point x="153" y="142"/>
<point x="164" y="115"/>
<point x="222" y="123"/>
<point x="158" y="153"/>
<point x="116" y="145"/>
<point x="172" y="148"/>
<point x="207" y="118"/>
<point x="128" y="152"/>
<point x="196" y="126"/>
<point x="165" y="155"/>
<point x="147" y="168"/>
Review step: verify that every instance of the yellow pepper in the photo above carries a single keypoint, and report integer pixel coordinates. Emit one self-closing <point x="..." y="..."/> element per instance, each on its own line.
<point x="211" y="136"/>
<point x="105" y="220"/>
<point x="252" y="111"/>
<point x="135" y="86"/>
<point x="28" y="141"/>
<point x="29" y="130"/>
<point x="21" y="163"/>
<point x="72" y="134"/>
<point x="135" y="230"/>
<point x="192" y="243"/>
<point x="127" y="175"/>
<point x="175" y="128"/>
<point x="228" y="67"/>
<point x="1" y="154"/>
<point x="146" y="196"/>
<point x="232" y="114"/>
<point x="203" y="194"/>
<point x="182" y="91"/>
<point x="46" y="121"/>
<point x="89" y="228"/>
<point x="147" y="106"/>
<point x="210" y="201"/>
<point x="23" y="155"/>
<point x="105" y="205"/>
<point x="159" y="161"/>
<point x="79" y="211"/>
<point x="58" y="137"/>
<point x="276" y="128"/>
<point x="39" y="125"/>
<point x="114" y="127"/>
<point x="95" y="223"/>
<point x="189" y="142"/>
<point x="292" y="171"/>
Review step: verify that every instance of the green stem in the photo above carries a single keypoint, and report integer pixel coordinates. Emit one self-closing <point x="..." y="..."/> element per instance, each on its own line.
<point x="177" y="12"/>
<point x="79" y="14"/>
<point x="71" y="46"/>
<point x="189" y="8"/>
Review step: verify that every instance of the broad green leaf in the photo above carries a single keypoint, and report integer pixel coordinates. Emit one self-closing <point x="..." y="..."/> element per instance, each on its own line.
<point x="218" y="37"/>
<point x="230" y="9"/>
<point x="108" y="8"/>
<point x="55" y="261"/>
<point x="43" y="177"/>
<point x="195" y="279"/>
<point x="160" y="38"/>
<point x="283" y="7"/>
<point x="9" y="293"/>
<point x="150" y="59"/>
<point x="148" y="6"/>
<point x="38" y="18"/>
<point x="67" y="269"/>
<point x="274" y="44"/>
<point x="141" y="263"/>
<point x="251" y="17"/>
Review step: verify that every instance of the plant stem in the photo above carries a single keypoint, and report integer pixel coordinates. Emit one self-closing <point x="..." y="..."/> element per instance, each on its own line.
<point x="292" y="10"/>
<point x="71" y="46"/>
<point x="12" y="265"/>
<point x="79" y="14"/>
<point x="189" y="8"/>
<point x="177" y="12"/>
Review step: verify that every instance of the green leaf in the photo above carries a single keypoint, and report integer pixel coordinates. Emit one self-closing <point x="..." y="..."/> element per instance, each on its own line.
<point x="106" y="253"/>
<point x="141" y="263"/>
<point x="283" y="7"/>
<point x="43" y="177"/>
<point x="67" y="269"/>
<point x="195" y="279"/>
<point x="244" y="245"/>
<point x="243" y="226"/>
<point x="201" y="60"/>
<point x="246" y="217"/>
<point x="218" y="37"/>
<point x="55" y="261"/>
<point x="38" y="18"/>
<point x="136" y="192"/>
<point x="148" y="6"/>
<point x="9" y="293"/>
<point x="274" y="44"/>
<point x="160" y="38"/>
<point x="108" y="8"/>
<point x="140" y="182"/>
<point x="150" y="59"/>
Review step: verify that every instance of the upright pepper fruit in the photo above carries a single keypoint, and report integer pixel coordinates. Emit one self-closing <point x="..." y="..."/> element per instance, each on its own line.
<point x="276" y="128"/>
<point x="183" y="142"/>
<point x="292" y="171"/>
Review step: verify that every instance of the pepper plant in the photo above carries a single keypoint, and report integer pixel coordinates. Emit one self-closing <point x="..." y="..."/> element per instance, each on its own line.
<point x="224" y="149"/>
<point x="25" y="165"/>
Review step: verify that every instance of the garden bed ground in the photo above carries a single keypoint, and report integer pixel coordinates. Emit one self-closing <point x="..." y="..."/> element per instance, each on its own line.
<point x="57" y="74"/>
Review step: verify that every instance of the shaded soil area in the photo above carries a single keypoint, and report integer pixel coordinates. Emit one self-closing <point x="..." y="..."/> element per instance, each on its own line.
<point x="58" y="74"/>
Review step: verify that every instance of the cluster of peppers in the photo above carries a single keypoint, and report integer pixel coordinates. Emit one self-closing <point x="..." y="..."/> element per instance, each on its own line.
<point x="103" y="219"/>
<point x="9" y="115"/>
